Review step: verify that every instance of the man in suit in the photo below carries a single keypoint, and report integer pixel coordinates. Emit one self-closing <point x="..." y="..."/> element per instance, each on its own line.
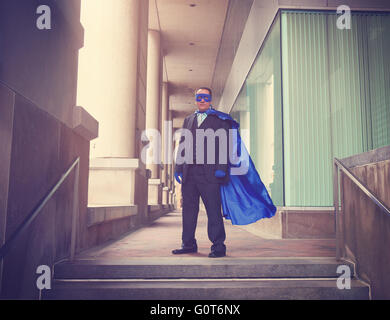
<point x="201" y="177"/>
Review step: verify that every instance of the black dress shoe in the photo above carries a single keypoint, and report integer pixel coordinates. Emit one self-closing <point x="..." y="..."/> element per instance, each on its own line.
<point x="216" y="254"/>
<point x="185" y="250"/>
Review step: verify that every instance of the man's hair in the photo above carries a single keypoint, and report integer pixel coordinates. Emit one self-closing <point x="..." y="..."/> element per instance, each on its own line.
<point x="205" y="88"/>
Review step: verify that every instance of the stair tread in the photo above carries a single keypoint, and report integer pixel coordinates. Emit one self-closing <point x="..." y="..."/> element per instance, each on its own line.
<point x="153" y="268"/>
<point x="201" y="289"/>
<point x="198" y="261"/>
<point x="201" y="283"/>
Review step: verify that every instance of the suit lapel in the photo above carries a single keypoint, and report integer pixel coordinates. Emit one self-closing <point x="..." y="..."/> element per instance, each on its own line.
<point x="205" y="122"/>
<point x="193" y="118"/>
<point x="191" y="121"/>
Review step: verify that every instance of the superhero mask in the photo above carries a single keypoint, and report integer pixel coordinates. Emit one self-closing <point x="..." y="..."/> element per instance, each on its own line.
<point x="205" y="96"/>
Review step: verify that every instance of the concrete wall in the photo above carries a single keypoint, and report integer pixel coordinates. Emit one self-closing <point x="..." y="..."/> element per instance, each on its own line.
<point x="296" y="223"/>
<point x="42" y="64"/>
<point x="259" y="21"/>
<point x="41" y="149"/>
<point x="236" y="16"/>
<point x="7" y="100"/>
<point x="41" y="133"/>
<point x="365" y="229"/>
<point x="260" y="18"/>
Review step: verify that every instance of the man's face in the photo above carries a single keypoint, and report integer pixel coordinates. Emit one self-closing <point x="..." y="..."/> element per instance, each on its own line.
<point x="202" y="104"/>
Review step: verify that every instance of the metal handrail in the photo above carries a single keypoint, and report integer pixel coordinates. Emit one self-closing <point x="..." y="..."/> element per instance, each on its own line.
<point x="35" y="212"/>
<point x="337" y="164"/>
<point x="362" y="186"/>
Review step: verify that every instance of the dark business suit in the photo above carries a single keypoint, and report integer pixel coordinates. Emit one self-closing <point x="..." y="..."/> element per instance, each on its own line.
<point x="199" y="181"/>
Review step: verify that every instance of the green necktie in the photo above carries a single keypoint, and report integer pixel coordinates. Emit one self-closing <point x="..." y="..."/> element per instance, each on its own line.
<point x="201" y="116"/>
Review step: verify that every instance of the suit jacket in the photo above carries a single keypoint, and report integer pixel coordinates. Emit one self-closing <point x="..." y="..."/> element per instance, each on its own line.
<point x="211" y="122"/>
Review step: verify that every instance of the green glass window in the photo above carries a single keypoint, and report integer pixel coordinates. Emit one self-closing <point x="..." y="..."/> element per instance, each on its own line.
<point x="258" y="110"/>
<point x="315" y="92"/>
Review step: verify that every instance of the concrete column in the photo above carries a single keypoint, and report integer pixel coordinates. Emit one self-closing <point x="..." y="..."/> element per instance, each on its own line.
<point x="164" y="131"/>
<point x="165" y="143"/>
<point x="108" y="89"/>
<point x="107" y="84"/>
<point x="153" y="87"/>
<point x="170" y="161"/>
<point x="153" y="111"/>
<point x="177" y="187"/>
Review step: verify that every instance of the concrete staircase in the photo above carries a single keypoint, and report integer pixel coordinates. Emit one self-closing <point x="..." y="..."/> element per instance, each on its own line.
<point x="187" y="278"/>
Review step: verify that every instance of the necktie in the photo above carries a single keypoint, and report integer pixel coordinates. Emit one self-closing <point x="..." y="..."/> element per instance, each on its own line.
<point x="200" y="117"/>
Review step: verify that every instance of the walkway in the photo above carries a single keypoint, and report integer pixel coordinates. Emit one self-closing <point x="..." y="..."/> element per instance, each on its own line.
<point x="164" y="234"/>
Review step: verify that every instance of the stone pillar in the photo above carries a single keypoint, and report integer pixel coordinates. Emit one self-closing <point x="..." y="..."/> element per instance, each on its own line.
<point x="107" y="87"/>
<point x="165" y="143"/>
<point x="170" y="161"/>
<point x="164" y="130"/>
<point x="153" y="110"/>
<point x="177" y="187"/>
<point x="153" y="97"/>
<point x="107" y="84"/>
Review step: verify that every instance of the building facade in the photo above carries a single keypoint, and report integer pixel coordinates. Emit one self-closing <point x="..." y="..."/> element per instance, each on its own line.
<point x="87" y="86"/>
<point x="315" y="92"/>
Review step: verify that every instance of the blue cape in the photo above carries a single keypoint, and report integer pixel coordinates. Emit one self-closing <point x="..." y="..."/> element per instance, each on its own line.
<point x="245" y="199"/>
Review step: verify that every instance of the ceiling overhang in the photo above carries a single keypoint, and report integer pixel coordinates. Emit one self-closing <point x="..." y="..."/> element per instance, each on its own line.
<point x="191" y="34"/>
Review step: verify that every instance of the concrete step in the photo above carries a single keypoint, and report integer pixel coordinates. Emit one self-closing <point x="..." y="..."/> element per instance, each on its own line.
<point x="201" y="289"/>
<point x="170" y="268"/>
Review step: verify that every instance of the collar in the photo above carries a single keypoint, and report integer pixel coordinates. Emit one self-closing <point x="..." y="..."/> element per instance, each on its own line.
<point x="206" y="111"/>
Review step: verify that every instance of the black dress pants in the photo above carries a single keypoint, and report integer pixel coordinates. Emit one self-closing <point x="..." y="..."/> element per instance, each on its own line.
<point x="194" y="187"/>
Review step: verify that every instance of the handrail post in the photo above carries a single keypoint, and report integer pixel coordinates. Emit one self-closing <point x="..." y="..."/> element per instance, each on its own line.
<point x="336" y="207"/>
<point x="75" y="212"/>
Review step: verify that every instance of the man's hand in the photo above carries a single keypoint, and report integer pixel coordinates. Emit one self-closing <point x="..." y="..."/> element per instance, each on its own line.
<point x="178" y="177"/>
<point x="219" y="174"/>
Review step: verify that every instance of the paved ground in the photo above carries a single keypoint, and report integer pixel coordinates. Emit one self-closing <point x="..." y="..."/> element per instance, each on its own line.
<point x="164" y="234"/>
